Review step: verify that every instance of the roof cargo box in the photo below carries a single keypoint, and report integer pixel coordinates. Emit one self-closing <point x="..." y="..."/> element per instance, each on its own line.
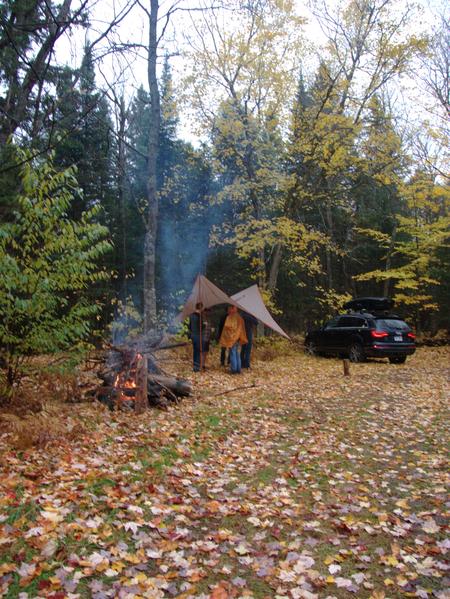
<point x="370" y="304"/>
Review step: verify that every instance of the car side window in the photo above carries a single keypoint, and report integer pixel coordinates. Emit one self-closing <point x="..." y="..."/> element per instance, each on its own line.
<point x="353" y="321"/>
<point x="347" y="321"/>
<point x="332" y="323"/>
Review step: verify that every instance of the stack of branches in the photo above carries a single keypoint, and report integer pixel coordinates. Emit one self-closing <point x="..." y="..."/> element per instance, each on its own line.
<point x="132" y="378"/>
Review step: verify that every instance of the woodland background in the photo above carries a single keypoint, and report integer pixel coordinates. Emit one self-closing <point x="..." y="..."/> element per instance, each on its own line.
<point x="315" y="168"/>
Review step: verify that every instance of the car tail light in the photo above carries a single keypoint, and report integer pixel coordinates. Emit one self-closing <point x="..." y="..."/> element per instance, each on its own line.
<point x="411" y="335"/>
<point x="379" y="334"/>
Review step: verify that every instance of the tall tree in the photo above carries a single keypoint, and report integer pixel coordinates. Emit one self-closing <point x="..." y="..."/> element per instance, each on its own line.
<point x="81" y="119"/>
<point x="367" y="46"/>
<point x="322" y="163"/>
<point x="151" y="211"/>
<point x="369" y="43"/>
<point x="422" y="232"/>
<point x="240" y="80"/>
<point x="29" y="32"/>
<point x="437" y="66"/>
<point x="123" y="223"/>
<point x="376" y="195"/>
<point x="431" y="134"/>
<point x="183" y="185"/>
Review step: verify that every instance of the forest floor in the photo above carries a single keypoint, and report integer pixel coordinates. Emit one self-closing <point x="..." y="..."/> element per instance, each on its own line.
<point x="307" y="484"/>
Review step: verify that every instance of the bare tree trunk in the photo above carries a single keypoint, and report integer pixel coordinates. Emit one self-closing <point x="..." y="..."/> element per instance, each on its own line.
<point x="261" y="268"/>
<point x="151" y="220"/>
<point x="329" y="219"/>
<point x="149" y="281"/>
<point x="249" y="163"/>
<point x="349" y="280"/>
<point x="387" y="282"/>
<point x="121" y="178"/>
<point x="275" y="267"/>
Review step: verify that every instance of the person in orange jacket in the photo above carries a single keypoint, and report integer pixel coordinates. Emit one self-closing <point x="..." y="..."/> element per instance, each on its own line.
<point x="232" y="337"/>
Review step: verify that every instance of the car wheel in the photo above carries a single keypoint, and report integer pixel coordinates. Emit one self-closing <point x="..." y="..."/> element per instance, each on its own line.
<point x="356" y="353"/>
<point x="397" y="360"/>
<point x="311" y="348"/>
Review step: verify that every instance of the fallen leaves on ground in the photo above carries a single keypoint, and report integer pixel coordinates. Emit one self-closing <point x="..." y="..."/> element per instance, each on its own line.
<point x="309" y="485"/>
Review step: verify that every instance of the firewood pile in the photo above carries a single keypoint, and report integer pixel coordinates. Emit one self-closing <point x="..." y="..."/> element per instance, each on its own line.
<point x="133" y="380"/>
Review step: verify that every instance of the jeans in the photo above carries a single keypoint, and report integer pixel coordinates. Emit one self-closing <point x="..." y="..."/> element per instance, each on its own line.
<point x="235" y="359"/>
<point x="246" y="351"/>
<point x="223" y="355"/>
<point x="196" y="351"/>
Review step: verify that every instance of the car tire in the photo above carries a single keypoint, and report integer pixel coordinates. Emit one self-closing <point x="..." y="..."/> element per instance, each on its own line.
<point x="397" y="360"/>
<point x="356" y="353"/>
<point x="311" y="349"/>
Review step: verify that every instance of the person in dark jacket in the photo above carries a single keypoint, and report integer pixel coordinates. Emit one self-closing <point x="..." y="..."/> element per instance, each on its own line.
<point x="250" y="323"/>
<point x="206" y="336"/>
<point x="195" y="335"/>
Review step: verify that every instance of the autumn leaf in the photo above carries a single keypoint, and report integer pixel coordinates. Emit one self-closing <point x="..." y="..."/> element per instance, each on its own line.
<point x="297" y="489"/>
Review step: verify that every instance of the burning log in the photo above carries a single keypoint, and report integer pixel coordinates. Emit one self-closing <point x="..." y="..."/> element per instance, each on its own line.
<point x="140" y="398"/>
<point x="179" y="387"/>
<point x="133" y="380"/>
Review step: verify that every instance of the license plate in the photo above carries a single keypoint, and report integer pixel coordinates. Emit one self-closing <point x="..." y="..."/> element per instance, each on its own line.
<point x="398" y="338"/>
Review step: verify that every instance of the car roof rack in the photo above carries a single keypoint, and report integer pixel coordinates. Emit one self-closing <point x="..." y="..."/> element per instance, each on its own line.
<point x="370" y="304"/>
<point x="374" y="313"/>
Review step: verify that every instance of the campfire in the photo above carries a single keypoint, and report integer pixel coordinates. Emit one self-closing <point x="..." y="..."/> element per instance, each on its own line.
<point x="132" y="380"/>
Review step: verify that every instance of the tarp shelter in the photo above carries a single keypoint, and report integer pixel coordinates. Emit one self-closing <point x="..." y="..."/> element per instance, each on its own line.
<point x="251" y="301"/>
<point x="205" y="292"/>
<point x="209" y="295"/>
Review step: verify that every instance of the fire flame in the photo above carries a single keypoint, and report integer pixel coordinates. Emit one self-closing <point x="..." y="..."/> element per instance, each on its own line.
<point x="127" y="378"/>
<point x="129" y="384"/>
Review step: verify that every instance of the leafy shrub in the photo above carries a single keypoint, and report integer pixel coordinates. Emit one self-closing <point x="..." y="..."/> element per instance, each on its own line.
<point x="272" y="347"/>
<point x="47" y="262"/>
<point x="440" y="338"/>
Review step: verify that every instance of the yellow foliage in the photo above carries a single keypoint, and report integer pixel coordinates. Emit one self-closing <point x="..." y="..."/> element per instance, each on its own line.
<point x="331" y="300"/>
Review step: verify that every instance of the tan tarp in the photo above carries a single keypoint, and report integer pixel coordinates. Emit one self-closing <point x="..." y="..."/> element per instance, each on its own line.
<point x="209" y="295"/>
<point x="251" y="301"/>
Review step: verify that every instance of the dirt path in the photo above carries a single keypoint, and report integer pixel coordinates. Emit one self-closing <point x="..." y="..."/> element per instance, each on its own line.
<point x="311" y="484"/>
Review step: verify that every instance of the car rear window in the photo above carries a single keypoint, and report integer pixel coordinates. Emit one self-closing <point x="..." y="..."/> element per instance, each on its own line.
<point x="392" y="324"/>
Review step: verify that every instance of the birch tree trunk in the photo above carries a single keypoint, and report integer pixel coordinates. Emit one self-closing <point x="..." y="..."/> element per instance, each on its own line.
<point x="151" y="217"/>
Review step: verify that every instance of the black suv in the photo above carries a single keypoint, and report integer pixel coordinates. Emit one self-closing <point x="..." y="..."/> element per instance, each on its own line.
<point x="367" y="330"/>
